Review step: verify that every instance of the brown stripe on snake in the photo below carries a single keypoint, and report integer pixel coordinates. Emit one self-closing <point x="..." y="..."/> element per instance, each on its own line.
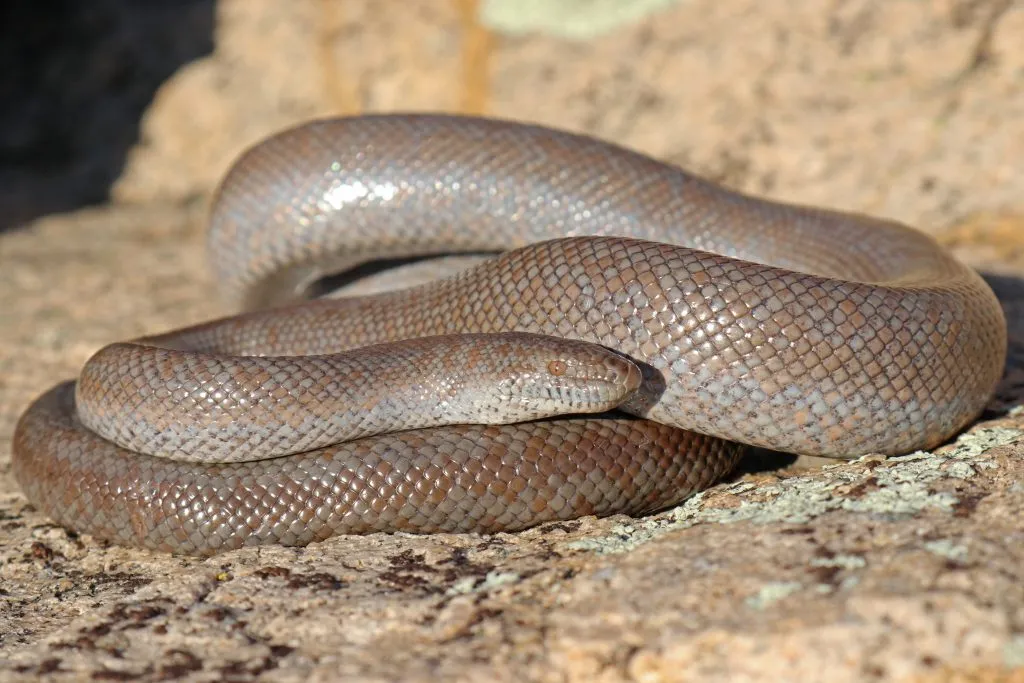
<point x="753" y="322"/>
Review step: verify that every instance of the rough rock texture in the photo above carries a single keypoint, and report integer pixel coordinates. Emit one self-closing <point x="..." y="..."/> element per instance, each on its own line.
<point x="881" y="569"/>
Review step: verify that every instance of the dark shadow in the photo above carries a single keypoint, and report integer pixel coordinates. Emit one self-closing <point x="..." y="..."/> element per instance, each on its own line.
<point x="758" y="460"/>
<point x="367" y="269"/>
<point x="75" y="80"/>
<point x="1009" y="289"/>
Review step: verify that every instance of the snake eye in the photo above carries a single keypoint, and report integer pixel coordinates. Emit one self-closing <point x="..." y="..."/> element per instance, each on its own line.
<point x="557" y="367"/>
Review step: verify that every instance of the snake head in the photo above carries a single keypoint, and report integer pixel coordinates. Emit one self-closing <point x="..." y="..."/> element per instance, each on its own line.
<point x="546" y="376"/>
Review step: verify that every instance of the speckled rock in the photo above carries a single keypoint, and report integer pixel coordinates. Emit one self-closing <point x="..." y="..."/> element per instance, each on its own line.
<point x="905" y="568"/>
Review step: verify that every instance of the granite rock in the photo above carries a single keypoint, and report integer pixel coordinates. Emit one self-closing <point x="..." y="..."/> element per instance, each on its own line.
<point x="907" y="568"/>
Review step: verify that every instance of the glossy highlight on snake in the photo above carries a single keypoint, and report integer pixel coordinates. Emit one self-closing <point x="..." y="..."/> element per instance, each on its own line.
<point x="708" y="318"/>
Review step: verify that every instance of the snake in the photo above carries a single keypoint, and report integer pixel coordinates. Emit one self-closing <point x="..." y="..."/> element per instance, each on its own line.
<point x="633" y="329"/>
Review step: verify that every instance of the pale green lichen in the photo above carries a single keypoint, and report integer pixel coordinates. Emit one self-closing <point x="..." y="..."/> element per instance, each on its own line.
<point x="900" y="488"/>
<point x="1013" y="652"/>
<point x="840" y="561"/>
<point x="773" y="592"/>
<point x="574" y="19"/>
<point x="946" y="548"/>
<point x="492" y="580"/>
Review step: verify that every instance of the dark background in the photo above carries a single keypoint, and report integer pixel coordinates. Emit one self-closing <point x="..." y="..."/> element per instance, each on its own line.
<point x="75" y="79"/>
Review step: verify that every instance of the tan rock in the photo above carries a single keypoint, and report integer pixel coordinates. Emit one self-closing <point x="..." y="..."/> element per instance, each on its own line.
<point x="880" y="569"/>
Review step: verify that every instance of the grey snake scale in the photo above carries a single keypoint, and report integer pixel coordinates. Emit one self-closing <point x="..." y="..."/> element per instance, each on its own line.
<point x="709" y="318"/>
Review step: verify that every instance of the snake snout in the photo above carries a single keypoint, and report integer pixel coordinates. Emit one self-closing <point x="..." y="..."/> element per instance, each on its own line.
<point x="602" y="372"/>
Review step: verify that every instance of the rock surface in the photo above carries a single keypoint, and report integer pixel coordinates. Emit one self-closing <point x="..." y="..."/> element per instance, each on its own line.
<point x="905" y="568"/>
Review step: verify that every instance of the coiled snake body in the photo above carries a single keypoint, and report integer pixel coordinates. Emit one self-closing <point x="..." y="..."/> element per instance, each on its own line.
<point x="738" y="319"/>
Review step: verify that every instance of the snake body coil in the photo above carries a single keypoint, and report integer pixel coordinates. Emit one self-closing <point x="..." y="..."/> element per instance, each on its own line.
<point x="738" y="319"/>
